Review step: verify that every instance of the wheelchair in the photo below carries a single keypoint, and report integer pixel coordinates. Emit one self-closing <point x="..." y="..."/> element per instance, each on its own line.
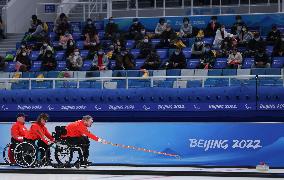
<point x="58" y="155"/>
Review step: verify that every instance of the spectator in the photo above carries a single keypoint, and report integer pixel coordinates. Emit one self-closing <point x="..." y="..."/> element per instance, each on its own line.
<point x="71" y="46"/>
<point x="198" y="46"/>
<point x="2" y="63"/>
<point x="64" y="40"/>
<point x="168" y="38"/>
<point x="152" y="61"/>
<point x="160" y="28"/>
<point x="39" y="32"/>
<point x="100" y="61"/>
<point x="44" y="48"/>
<point x="34" y="24"/>
<point x="23" y="62"/>
<point x="145" y="47"/>
<point x="261" y="59"/>
<point x="177" y="60"/>
<point x="61" y="25"/>
<point x="221" y="34"/>
<point x="23" y="48"/>
<point x="273" y="36"/>
<point x="75" y="61"/>
<point x="140" y="36"/>
<point x="238" y="25"/>
<point x="111" y="30"/>
<point x="91" y="41"/>
<point x="278" y="49"/>
<point x="2" y="29"/>
<point x="226" y="47"/>
<point x="244" y="37"/>
<point x="90" y="34"/>
<point x="125" y="61"/>
<point x="235" y="59"/>
<point x="212" y="27"/>
<point x="208" y="58"/>
<point x="48" y="61"/>
<point x="255" y="44"/>
<point x="134" y="29"/>
<point x="186" y="29"/>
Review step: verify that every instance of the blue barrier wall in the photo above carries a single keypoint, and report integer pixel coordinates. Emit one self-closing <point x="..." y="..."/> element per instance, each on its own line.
<point x="264" y="21"/>
<point x="215" y="144"/>
<point x="148" y="104"/>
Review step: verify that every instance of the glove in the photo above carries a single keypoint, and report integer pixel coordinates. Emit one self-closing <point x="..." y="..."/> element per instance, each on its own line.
<point x="102" y="141"/>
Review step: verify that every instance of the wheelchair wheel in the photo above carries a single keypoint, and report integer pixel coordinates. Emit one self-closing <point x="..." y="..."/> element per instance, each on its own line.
<point x="63" y="155"/>
<point x="25" y="155"/>
<point x="6" y="154"/>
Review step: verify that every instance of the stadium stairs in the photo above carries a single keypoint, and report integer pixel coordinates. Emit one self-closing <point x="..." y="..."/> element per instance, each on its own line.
<point x="9" y="44"/>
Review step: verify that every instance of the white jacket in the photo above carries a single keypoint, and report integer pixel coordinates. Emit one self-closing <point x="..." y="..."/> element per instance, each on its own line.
<point x="238" y="57"/>
<point x="218" y="38"/>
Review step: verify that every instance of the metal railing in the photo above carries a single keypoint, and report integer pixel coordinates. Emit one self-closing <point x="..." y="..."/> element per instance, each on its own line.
<point x="151" y="79"/>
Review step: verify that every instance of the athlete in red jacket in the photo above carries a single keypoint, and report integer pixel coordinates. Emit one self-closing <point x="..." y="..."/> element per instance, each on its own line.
<point x="78" y="134"/>
<point x="39" y="132"/>
<point x="18" y="132"/>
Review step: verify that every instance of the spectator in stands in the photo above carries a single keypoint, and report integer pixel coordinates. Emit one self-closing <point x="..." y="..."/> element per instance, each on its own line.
<point x="226" y="47"/>
<point x="198" y="46"/>
<point x="255" y="44"/>
<point x="118" y="45"/>
<point x="168" y="38"/>
<point x="23" y="48"/>
<point x="244" y="37"/>
<point x="100" y="61"/>
<point x="208" y="58"/>
<point x="2" y="63"/>
<point x="64" y="40"/>
<point x="145" y="47"/>
<point x="221" y="34"/>
<point x="90" y="34"/>
<point x="235" y="59"/>
<point x="124" y="61"/>
<point x="75" y="61"/>
<point x="34" y="24"/>
<point x="273" y="36"/>
<point x="177" y="60"/>
<point x="23" y="62"/>
<point x="212" y="27"/>
<point x="48" y="61"/>
<point x="140" y="36"/>
<point x="91" y="41"/>
<point x="186" y="29"/>
<point x="134" y="29"/>
<point x="278" y="49"/>
<point x="152" y="61"/>
<point x="161" y="27"/>
<point x="238" y="25"/>
<point x="44" y="48"/>
<point x="39" y="33"/>
<point x="261" y="59"/>
<point x="2" y="29"/>
<point x="71" y="46"/>
<point x="61" y="25"/>
<point x="111" y="30"/>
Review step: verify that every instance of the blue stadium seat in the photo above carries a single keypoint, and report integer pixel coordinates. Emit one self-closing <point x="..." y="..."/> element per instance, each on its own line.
<point x="139" y="83"/>
<point x="28" y="75"/>
<point x="85" y="84"/>
<point x="111" y="64"/>
<point x="248" y="62"/>
<point x="193" y="63"/>
<point x="187" y="52"/>
<point x="277" y="62"/>
<point x="119" y="73"/>
<point x="18" y="45"/>
<point x="155" y="42"/>
<point x="66" y="84"/>
<point x="130" y="44"/>
<point x="84" y="53"/>
<point x="258" y="71"/>
<point x="55" y="43"/>
<point x="93" y="74"/>
<point x="61" y="66"/>
<point x="50" y="26"/>
<point x="76" y="36"/>
<point x="87" y="65"/>
<point x="80" y="45"/>
<point x="208" y="41"/>
<point x="139" y="63"/>
<point x="215" y="72"/>
<point x="220" y="63"/>
<point x="164" y="84"/>
<point x="133" y="73"/>
<point x="229" y="72"/>
<point x="59" y="55"/>
<point x="101" y="34"/>
<point x="41" y="84"/>
<point x="191" y="42"/>
<point x="173" y="72"/>
<point x="106" y="43"/>
<point x="194" y="83"/>
<point x="52" y="74"/>
<point x="20" y="85"/>
<point x="36" y="66"/>
<point x="269" y="50"/>
<point x="163" y="53"/>
<point x="34" y="55"/>
<point x="99" y="25"/>
<point x="273" y="71"/>
<point x="76" y="27"/>
<point x="52" y="36"/>
<point x="135" y="52"/>
<point x="10" y="67"/>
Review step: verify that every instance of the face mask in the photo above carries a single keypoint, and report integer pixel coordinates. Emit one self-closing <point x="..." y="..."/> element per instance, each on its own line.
<point x="89" y="22"/>
<point x="71" y="43"/>
<point x="239" y="21"/>
<point x="24" y="54"/>
<point x="198" y="43"/>
<point x="45" y="45"/>
<point x="177" y="52"/>
<point x="76" y="53"/>
<point x="23" y="46"/>
<point x="135" y="23"/>
<point x="186" y="22"/>
<point x="257" y="38"/>
<point x="100" y="52"/>
<point x="49" y="55"/>
<point x="142" y="32"/>
<point x="222" y="29"/>
<point x="244" y="29"/>
<point x="146" y="40"/>
<point x="260" y="55"/>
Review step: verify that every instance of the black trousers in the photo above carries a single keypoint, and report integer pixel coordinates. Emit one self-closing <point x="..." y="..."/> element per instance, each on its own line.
<point x="83" y="142"/>
<point x="41" y="147"/>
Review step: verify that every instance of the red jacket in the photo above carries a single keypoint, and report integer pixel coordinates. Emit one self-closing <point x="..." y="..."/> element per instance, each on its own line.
<point x="79" y="129"/>
<point x="18" y="131"/>
<point x="39" y="132"/>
